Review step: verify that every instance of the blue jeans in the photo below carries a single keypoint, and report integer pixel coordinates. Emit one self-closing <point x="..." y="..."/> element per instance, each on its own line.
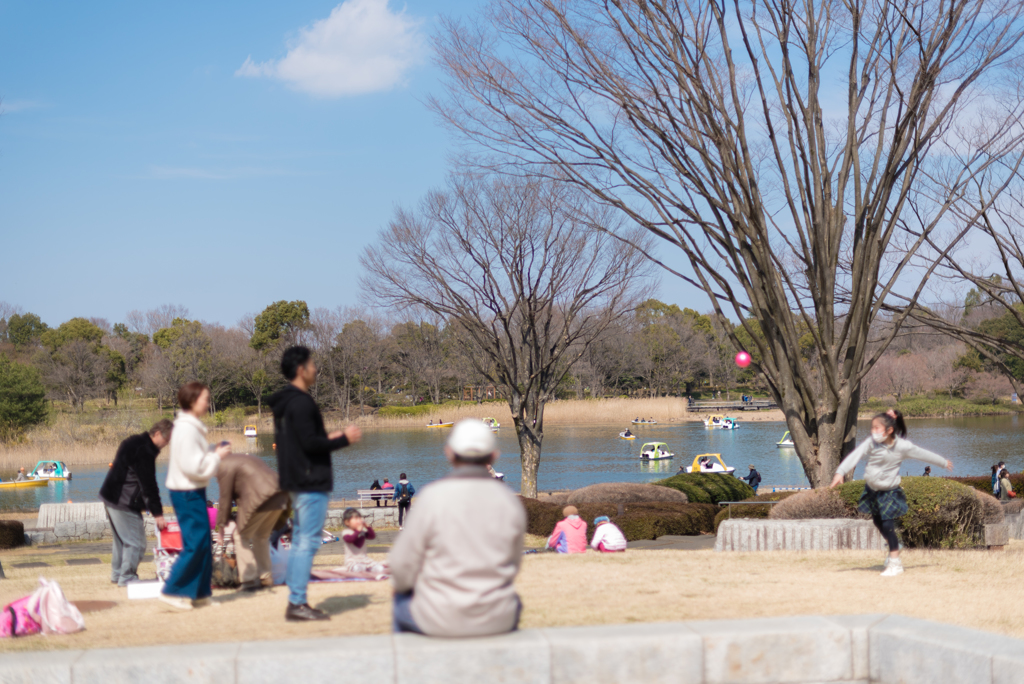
<point x="191" y="573"/>
<point x="310" y="512"/>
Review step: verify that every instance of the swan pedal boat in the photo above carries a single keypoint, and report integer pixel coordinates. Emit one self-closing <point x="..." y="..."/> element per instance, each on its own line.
<point x="59" y="471"/>
<point x="655" y="451"/>
<point x="721" y="422"/>
<point x="492" y="423"/>
<point x="718" y="467"/>
<point x="786" y="441"/>
<point x="249" y="431"/>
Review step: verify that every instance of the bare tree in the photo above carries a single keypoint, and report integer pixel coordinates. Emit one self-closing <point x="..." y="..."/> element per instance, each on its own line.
<point x="798" y="154"/>
<point x="517" y="270"/>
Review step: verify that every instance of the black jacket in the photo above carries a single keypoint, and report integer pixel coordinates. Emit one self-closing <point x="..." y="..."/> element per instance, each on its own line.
<point x="754" y="478"/>
<point x="303" y="450"/>
<point x="131" y="481"/>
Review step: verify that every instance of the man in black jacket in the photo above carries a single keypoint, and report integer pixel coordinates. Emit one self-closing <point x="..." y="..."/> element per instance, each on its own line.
<point x="754" y="478"/>
<point x="304" y="468"/>
<point x="129" y="489"/>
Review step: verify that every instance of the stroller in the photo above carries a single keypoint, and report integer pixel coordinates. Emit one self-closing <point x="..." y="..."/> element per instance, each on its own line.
<point x="168" y="547"/>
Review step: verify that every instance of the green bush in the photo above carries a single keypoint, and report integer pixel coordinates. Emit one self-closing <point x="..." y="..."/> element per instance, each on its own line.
<point x="709" y="488"/>
<point x="925" y="406"/>
<point x="647" y="520"/>
<point x="22" y="398"/>
<point x="941" y="513"/>
<point x="751" y="511"/>
<point x="12" y="534"/>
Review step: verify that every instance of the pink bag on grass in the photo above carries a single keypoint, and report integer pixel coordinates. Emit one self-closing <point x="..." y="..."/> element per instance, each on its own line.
<point x="16" y="621"/>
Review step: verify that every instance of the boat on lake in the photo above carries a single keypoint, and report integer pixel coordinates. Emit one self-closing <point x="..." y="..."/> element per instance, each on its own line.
<point x="24" y="483"/>
<point x="50" y="470"/>
<point x="249" y="431"/>
<point x="655" y="451"/>
<point x="626" y="434"/>
<point x="641" y="421"/>
<point x="440" y="425"/>
<point x="492" y="423"/>
<point x="721" y="422"/>
<point x="786" y="441"/>
<point x="709" y="463"/>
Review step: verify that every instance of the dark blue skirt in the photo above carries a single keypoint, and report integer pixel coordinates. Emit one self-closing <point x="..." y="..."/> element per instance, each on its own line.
<point x="888" y="505"/>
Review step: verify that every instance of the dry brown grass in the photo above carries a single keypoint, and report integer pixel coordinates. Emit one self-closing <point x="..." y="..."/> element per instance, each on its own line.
<point x="977" y="589"/>
<point x="566" y="412"/>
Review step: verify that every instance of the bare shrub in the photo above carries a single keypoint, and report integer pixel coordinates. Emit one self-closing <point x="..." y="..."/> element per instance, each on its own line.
<point x="817" y="503"/>
<point x="624" y="492"/>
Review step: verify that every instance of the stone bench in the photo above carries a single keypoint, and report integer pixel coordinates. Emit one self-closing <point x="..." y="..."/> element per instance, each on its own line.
<point x="854" y="649"/>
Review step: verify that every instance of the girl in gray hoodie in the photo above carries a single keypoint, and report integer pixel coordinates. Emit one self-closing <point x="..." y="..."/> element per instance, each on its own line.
<point x="883" y="498"/>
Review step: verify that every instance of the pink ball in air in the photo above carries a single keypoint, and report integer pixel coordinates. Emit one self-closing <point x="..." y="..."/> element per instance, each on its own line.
<point x="743" y="359"/>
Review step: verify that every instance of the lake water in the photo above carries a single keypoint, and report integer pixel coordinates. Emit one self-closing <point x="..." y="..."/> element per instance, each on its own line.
<point x="578" y="456"/>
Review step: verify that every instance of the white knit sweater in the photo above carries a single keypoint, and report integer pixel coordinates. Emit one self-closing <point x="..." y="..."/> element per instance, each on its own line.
<point x="193" y="461"/>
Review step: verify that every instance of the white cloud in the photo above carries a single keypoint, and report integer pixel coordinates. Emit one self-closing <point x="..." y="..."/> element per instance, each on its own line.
<point x="362" y="47"/>
<point x="11" y="106"/>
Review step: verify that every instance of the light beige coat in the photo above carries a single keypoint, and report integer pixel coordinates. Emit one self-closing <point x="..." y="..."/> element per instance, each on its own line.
<point x="193" y="460"/>
<point x="460" y="553"/>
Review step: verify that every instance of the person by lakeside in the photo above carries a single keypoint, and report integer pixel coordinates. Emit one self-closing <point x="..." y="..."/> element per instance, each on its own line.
<point x="193" y="463"/>
<point x="403" y="496"/>
<point x="304" y="467"/>
<point x="883" y="498"/>
<point x="130" y="488"/>
<point x="454" y="566"/>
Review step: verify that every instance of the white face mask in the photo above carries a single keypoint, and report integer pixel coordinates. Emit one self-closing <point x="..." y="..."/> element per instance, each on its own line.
<point x="879" y="437"/>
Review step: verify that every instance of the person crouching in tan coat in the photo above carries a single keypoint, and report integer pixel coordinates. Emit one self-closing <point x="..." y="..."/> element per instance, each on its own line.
<point x="254" y="488"/>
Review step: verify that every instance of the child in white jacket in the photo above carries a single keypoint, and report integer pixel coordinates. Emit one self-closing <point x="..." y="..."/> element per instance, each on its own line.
<point x="608" y="538"/>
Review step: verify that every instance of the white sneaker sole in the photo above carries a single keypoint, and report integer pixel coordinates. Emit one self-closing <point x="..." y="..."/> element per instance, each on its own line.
<point x="893" y="570"/>
<point x="176" y="602"/>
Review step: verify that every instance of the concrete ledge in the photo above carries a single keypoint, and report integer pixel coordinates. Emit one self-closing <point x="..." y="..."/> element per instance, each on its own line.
<point x="798" y="535"/>
<point x="848" y="649"/>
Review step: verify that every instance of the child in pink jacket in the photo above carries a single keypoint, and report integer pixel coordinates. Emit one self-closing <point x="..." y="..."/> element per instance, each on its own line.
<point x="570" y="535"/>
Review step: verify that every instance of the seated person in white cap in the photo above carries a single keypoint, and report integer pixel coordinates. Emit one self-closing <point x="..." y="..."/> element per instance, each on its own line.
<point x="454" y="565"/>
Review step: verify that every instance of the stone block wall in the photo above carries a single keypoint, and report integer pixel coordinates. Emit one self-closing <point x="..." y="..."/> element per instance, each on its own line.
<point x="850" y="649"/>
<point x="797" y="535"/>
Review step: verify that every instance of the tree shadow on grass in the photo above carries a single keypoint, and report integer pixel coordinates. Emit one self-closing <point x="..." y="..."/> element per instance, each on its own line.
<point x="336" y="605"/>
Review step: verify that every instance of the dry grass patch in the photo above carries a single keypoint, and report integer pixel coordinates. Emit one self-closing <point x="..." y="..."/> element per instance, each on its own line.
<point x="976" y="589"/>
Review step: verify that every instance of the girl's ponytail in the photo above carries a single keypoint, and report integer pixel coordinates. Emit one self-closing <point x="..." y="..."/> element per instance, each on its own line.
<point x="893" y="419"/>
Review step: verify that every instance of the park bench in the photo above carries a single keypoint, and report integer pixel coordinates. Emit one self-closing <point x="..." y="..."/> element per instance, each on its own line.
<point x="384" y="495"/>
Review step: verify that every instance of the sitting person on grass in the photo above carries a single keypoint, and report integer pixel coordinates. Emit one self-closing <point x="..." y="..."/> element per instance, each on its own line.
<point x="570" y="535"/>
<point x="454" y="565"/>
<point x="355" y="536"/>
<point x="608" y="538"/>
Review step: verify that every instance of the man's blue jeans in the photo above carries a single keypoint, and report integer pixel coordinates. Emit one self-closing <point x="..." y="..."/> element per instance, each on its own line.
<point x="310" y="512"/>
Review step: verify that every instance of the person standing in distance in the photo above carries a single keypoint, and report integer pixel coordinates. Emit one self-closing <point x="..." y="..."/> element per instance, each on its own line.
<point x="130" y="488"/>
<point x="304" y="468"/>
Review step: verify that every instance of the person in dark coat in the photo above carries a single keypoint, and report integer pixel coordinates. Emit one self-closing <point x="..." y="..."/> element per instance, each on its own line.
<point x="304" y="468"/>
<point x="753" y="478"/>
<point x="129" y="489"/>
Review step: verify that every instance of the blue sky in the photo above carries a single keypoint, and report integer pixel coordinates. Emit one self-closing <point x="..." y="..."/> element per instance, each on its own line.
<point x="216" y="155"/>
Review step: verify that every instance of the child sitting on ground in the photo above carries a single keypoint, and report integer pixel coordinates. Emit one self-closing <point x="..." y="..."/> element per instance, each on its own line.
<point x="570" y="535"/>
<point x="354" y="538"/>
<point x="608" y="538"/>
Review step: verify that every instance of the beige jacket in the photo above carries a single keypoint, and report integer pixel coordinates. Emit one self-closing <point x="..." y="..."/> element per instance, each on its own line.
<point x="193" y="461"/>
<point x="251" y="484"/>
<point x="459" y="554"/>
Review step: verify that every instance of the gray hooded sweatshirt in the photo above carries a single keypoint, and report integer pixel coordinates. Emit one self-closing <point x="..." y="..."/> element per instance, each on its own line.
<point x="882" y="472"/>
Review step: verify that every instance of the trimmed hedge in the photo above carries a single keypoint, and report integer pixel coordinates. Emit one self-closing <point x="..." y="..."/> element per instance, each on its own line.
<point x="647" y="520"/>
<point x="708" y="487"/>
<point x="12" y="534"/>
<point x="623" y="493"/>
<point x="751" y="511"/>
<point x="942" y="513"/>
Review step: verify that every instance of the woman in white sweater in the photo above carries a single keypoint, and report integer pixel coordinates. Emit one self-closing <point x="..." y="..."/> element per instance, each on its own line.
<point x="193" y="463"/>
<point x="883" y="498"/>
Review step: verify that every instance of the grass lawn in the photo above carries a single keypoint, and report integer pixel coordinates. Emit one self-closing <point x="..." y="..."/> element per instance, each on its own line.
<point x="976" y="589"/>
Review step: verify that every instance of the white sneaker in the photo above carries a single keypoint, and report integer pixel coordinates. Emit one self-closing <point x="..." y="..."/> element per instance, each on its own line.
<point x="895" y="567"/>
<point x="178" y="602"/>
<point x="205" y="602"/>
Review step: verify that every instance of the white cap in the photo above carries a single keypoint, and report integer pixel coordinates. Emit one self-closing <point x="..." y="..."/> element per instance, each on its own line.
<point x="471" y="438"/>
